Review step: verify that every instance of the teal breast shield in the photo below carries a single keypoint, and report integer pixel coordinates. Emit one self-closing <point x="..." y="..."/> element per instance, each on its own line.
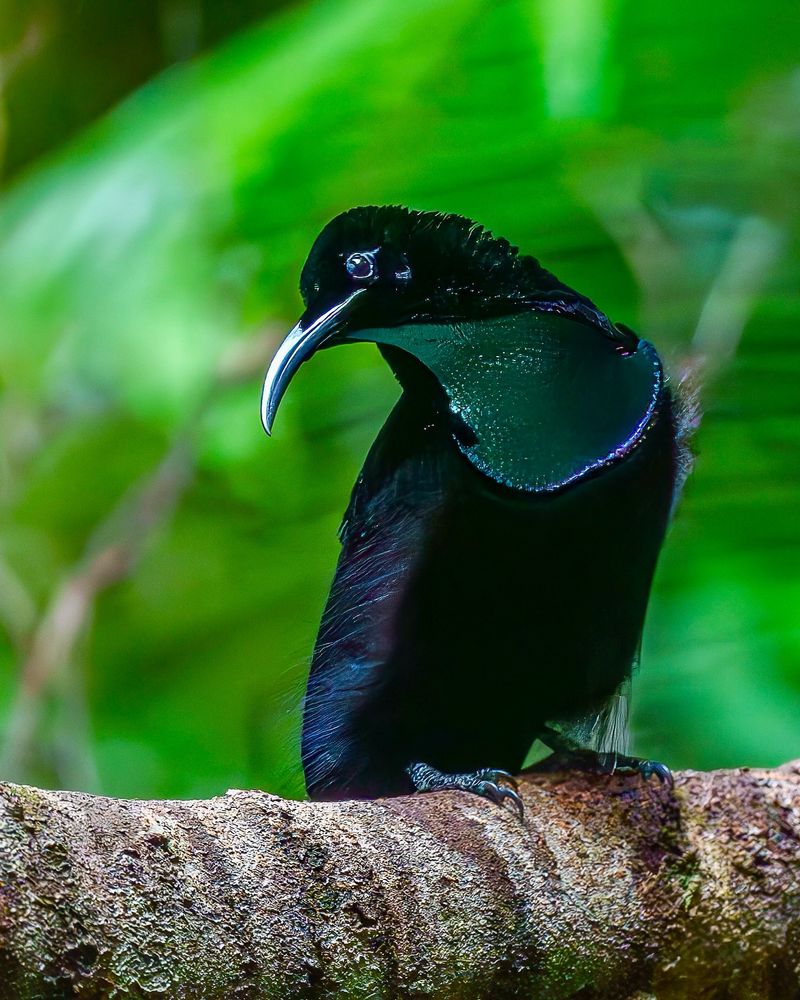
<point x="548" y="400"/>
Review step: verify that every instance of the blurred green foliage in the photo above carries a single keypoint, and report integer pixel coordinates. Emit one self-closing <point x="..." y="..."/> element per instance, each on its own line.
<point x="162" y="565"/>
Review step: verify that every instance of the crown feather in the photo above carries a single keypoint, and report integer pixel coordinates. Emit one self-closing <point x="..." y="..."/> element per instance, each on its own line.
<point x="466" y="268"/>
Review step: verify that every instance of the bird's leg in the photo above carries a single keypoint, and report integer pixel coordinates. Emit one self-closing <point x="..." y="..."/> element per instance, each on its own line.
<point x="488" y="782"/>
<point x="570" y="755"/>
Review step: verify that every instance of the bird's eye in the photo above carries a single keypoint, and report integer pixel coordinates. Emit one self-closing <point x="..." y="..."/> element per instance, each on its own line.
<point x="360" y="266"/>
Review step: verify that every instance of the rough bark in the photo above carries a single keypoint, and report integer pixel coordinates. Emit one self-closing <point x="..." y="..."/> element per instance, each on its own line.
<point x="612" y="887"/>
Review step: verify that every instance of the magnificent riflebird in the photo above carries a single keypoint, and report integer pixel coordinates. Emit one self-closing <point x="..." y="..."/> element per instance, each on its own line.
<point x="500" y="541"/>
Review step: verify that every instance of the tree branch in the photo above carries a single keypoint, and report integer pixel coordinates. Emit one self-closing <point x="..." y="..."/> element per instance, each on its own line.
<point x="612" y="887"/>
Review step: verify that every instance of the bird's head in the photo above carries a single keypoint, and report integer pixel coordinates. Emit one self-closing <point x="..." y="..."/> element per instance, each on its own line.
<point x="541" y="387"/>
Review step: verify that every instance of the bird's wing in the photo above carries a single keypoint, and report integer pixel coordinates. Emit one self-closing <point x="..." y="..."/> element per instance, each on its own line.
<point x="393" y="504"/>
<point x="404" y="470"/>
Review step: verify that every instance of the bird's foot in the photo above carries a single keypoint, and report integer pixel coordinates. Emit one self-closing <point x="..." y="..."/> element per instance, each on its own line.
<point x="488" y="782"/>
<point x="622" y="764"/>
<point x="605" y="763"/>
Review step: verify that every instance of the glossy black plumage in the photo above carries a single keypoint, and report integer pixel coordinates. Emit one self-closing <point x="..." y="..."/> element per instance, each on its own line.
<point x="466" y="615"/>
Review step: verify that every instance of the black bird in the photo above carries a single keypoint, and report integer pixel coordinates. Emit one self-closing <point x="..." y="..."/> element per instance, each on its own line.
<point x="500" y="542"/>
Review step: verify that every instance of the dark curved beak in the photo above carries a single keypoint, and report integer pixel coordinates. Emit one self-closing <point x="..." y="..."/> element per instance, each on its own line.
<point x="310" y="333"/>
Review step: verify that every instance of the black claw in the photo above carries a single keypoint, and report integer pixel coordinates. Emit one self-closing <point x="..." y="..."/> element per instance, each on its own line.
<point x="499" y="793"/>
<point x="606" y="763"/>
<point x="499" y="777"/>
<point x="489" y="782"/>
<point x="647" y="768"/>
